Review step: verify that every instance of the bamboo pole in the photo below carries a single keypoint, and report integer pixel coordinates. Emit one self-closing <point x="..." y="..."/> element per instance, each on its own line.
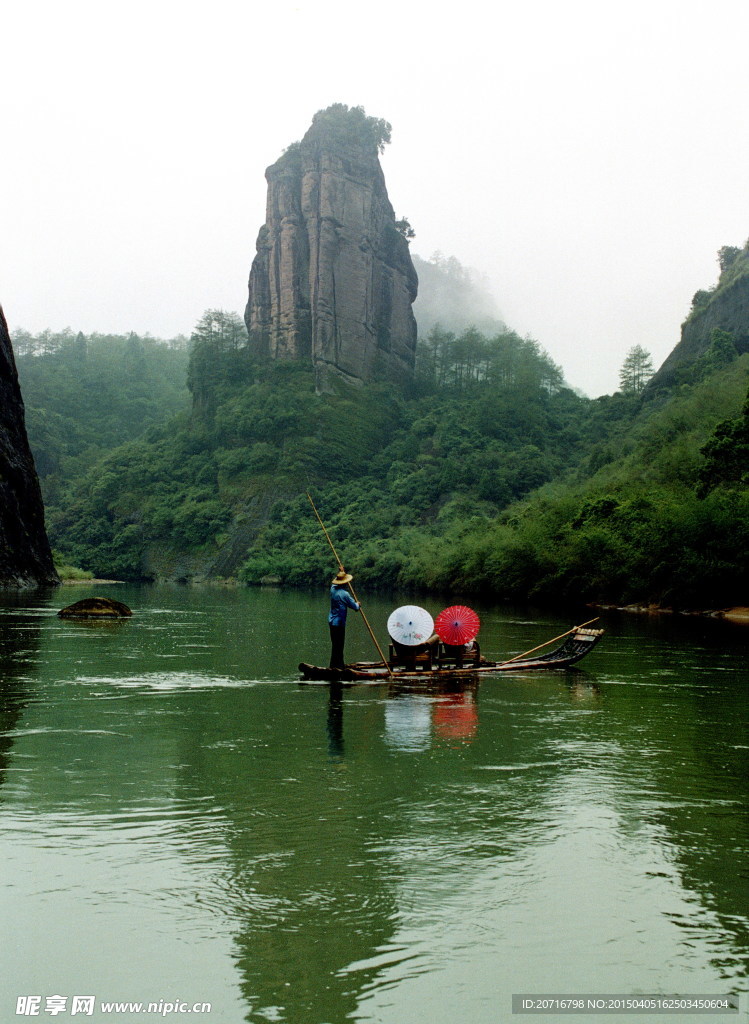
<point x="560" y="637"/>
<point x="353" y="592"/>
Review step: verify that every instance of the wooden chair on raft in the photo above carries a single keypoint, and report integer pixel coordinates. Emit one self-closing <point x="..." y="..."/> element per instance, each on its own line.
<point x="434" y="654"/>
<point x="459" y="656"/>
<point x="414" y="658"/>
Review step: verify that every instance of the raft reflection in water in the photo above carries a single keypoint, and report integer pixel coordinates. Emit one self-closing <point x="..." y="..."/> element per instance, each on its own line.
<point x="412" y="721"/>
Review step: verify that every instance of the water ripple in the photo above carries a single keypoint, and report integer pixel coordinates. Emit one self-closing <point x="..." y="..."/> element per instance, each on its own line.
<point x="168" y="681"/>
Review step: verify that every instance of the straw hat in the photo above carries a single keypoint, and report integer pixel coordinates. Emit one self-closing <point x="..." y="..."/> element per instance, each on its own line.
<point x="342" y="578"/>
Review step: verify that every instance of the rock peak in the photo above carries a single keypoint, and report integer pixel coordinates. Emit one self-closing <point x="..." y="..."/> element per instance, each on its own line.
<point x="25" y="556"/>
<point x="332" y="281"/>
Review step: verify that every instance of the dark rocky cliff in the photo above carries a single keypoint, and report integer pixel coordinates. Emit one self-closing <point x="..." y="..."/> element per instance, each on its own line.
<point x="726" y="307"/>
<point x="25" y="556"/>
<point x="333" y="281"/>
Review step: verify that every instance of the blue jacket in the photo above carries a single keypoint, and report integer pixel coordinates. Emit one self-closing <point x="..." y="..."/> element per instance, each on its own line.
<point x="340" y="601"/>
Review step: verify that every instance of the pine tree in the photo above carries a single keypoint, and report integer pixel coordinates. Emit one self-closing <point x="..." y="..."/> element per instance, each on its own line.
<point x="636" y="371"/>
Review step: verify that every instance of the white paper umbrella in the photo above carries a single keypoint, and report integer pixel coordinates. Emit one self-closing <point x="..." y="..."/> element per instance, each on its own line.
<point x="410" y="625"/>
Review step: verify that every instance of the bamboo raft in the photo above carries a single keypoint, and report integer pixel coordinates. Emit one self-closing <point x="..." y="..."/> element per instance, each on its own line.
<point x="577" y="644"/>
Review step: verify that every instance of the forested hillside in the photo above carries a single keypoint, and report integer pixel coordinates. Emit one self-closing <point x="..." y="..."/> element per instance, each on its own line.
<point x="640" y="503"/>
<point x="486" y="474"/>
<point x="85" y="395"/>
<point x="486" y="417"/>
<point x="665" y="522"/>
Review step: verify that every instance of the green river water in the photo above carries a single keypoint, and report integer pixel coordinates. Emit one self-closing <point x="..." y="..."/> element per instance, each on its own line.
<point x="182" y="823"/>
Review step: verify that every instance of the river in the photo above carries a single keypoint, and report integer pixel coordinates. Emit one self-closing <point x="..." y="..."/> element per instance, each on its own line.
<point x="182" y="823"/>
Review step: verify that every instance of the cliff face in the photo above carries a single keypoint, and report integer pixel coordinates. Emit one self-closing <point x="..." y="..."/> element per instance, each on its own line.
<point x="333" y="280"/>
<point x="25" y="556"/>
<point x="726" y="307"/>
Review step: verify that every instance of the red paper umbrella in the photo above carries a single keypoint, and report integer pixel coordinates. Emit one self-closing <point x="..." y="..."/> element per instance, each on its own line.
<point x="457" y="625"/>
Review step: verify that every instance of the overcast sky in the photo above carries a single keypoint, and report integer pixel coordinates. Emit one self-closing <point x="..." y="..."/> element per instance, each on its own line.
<point x="588" y="157"/>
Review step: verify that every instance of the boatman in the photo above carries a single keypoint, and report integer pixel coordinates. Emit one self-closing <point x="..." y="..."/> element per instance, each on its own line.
<point x="340" y="602"/>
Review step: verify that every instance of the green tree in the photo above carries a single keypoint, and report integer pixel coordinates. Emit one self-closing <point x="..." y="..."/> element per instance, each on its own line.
<point x="700" y="299"/>
<point x="636" y="371"/>
<point x="218" y="354"/>
<point x="404" y="227"/>
<point x="340" y="121"/>
<point x="722" y="349"/>
<point x="727" y="256"/>
<point x="726" y="454"/>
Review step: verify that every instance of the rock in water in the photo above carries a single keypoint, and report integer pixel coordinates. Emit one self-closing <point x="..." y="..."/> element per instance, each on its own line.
<point x="333" y="281"/>
<point x="96" y="608"/>
<point x="25" y="556"/>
